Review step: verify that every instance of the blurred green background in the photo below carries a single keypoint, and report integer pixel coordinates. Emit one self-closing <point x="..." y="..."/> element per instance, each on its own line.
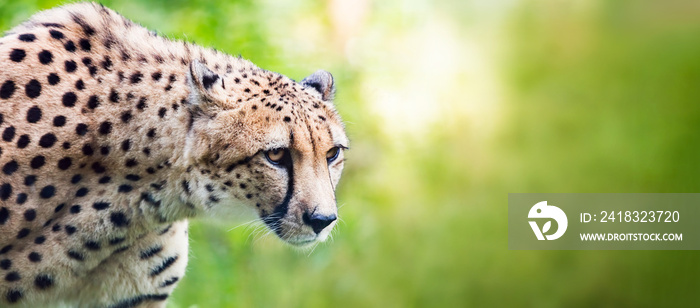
<point x="450" y="106"/>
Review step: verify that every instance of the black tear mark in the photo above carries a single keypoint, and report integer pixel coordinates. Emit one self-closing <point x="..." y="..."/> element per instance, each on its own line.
<point x="273" y="220"/>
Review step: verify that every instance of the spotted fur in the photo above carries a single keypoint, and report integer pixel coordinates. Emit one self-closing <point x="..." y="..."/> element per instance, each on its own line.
<point x="111" y="137"/>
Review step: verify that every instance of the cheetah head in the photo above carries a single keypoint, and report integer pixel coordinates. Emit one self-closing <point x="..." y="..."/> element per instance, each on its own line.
<point x="266" y="142"/>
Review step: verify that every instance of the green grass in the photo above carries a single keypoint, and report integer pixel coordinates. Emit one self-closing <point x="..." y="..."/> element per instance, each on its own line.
<point x="597" y="97"/>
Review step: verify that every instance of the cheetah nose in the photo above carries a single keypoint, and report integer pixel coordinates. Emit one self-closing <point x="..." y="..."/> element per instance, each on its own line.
<point x="317" y="221"/>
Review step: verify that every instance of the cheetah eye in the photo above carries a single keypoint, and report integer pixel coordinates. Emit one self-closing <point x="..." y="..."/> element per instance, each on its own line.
<point x="275" y="156"/>
<point x="332" y="154"/>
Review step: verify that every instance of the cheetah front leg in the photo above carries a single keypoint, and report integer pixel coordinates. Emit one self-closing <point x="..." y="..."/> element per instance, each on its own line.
<point x="142" y="274"/>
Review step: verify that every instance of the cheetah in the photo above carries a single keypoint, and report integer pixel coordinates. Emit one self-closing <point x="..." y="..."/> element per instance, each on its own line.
<point x="113" y="137"/>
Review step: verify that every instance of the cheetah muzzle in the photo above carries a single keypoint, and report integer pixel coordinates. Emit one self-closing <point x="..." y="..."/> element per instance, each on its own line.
<point x="113" y="137"/>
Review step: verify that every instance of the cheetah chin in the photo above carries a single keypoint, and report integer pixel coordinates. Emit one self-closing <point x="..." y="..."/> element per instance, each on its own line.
<point x="113" y="137"/>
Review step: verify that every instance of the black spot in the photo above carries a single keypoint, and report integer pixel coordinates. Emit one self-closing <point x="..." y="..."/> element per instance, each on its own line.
<point x="56" y="34"/>
<point x="136" y="78"/>
<point x="47" y="140"/>
<point x="21" y="198"/>
<point x="5" y="191"/>
<point x="32" y="88"/>
<point x="119" y="219"/>
<point x="100" y="205"/>
<point x="146" y="151"/>
<point x="126" y="116"/>
<point x="71" y="229"/>
<point x="65" y="163"/>
<point x="17" y="55"/>
<point x="92" y="245"/>
<point x="107" y="64"/>
<point x="8" y="134"/>
<point x="59" y="121"/>
<point x="13" y="295"/>
<point x="93" y="102"/>
<point x="150" y="252"/>
<point x="132" y="177"/>
<point x="80" y="85"/>
<point x="23" y="141"/>
<point x="151" y="133"/>
<point x="30" y="180"/>
<point x="87" y="150"/>
<point x="59" y="207"/>
<point x="126" y="145"/>
<point x="5" y="264"/>
<point x="39" y="240"/>
<point x="10" y="167"/>
<point x="69" y="99"/>
<point x="45" y="57"/>
<point x="76" y="178"/>
<point x="5" y="249"/>
<point x="114" y="96"/>
<point x="105" y="128"/>
<point x="34" y="257"/>
<point x="53" y="79"/>
<point x="124" y="188"/>
<point x="169" y="282"/>
<point x="47" y="192"/>
<point x="7" y="89"/>
<point x="163" y="266"/>
<point x="43" y="281"/>
<point x="81" y="129"/>
<point x="150" y="170"/>
<point x="131" y="162"/>
<point x="70" y="46"/>
<point x="56" y="228"/>
<point x="287" y="119"/>
<point x="71" y="66"/>
<point x="142" y="104"/>
<point x="98" y="168"/>
<point x="4" y="215"/>
<point x="162" y="111"/>
<point x="156" y="76"/>
<point x="186" y="187"/>
<point x="23" y="233"/>
<point x="84" y="44"/>
<point x="104" y="180"/>
<point x="76" y="208"/>
<point x="27" y="37"/>
<point x="66" y="145"/>
<point x="116" y="241"/>
<point x="76" y="255"/>
<point x="30" y="215"/>
<point x="12" y="276"/>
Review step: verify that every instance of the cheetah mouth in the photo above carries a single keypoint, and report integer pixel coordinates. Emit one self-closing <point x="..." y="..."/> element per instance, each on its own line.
<point x="303" y="241"/>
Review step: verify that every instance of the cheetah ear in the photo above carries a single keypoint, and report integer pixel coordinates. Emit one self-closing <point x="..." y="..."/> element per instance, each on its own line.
<point x="205" y="83"/>
<point x="322" y="82"/>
